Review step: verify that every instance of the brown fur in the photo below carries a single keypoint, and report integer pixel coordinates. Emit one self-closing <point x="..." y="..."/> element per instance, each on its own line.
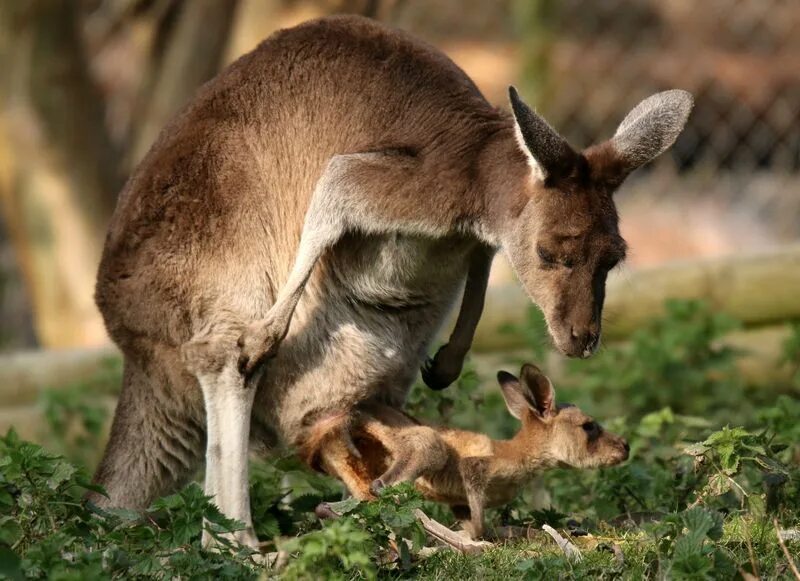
<point x="338" y="119"/>
<point x="467" y="470"/>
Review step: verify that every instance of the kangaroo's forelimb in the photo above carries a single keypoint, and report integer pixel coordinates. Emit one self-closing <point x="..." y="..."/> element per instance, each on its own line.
<point x="445" y="367"/>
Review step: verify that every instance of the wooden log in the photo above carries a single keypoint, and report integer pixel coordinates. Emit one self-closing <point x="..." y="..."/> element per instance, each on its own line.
<point x="24" y="375"/>
<point x="758" y="289"/>
<point x="760" y="362"/>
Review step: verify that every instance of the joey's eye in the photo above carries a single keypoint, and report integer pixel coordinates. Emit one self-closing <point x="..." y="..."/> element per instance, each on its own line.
<point x="547" y="258"/>
<point x="568" y="263"/>
<point x="591" y="428"/>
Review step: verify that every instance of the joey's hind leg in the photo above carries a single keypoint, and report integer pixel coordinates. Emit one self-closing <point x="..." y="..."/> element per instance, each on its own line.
<point x="415" y="451"/>
<point x="335" y="453"/>
<point x="229" y="404"/>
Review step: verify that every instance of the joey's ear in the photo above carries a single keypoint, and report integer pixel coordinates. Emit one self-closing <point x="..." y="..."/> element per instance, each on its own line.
<point x="516" y="396"/>
<point x="540" y="390"/>
<point x="549" y="154"/>
<point x="651" y="128"/>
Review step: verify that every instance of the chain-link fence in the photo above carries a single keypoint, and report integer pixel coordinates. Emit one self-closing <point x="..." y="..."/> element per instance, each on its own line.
<point x="588" y="62"/>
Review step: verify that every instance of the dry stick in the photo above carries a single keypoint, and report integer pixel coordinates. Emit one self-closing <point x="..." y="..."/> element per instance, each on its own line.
<point x="570" y="550"/>
<point x="751" y="553"/>
<point x="785" y="550"/>
<point x="450" y="538"/>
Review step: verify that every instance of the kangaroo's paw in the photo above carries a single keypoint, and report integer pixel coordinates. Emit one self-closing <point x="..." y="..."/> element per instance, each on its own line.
<point x="259" y="342"/>
<point x="441" y="370"/>
<point x="376" y="486"/>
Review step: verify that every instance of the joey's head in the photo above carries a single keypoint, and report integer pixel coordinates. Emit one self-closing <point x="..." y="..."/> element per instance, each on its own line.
<point x="559" y="225"/>
<point x="556" y="435"/>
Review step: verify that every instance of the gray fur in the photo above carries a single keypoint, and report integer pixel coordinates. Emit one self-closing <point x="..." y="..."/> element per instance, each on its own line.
<point x="652" y="127"/>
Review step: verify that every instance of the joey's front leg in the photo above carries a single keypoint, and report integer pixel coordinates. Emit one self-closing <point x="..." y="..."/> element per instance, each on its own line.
<point x="475" y="476"/>
<point x="445" y="367"/>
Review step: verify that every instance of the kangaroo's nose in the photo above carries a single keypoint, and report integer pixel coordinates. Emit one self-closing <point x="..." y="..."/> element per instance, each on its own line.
<point x="586" y="340"/>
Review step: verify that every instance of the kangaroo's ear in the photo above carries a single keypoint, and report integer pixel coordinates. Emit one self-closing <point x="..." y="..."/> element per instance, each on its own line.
<point x="645" y="133"/>
<point x="516" y="397"/>
<point x="549" y="154"/>
<point x="540" y="390"/>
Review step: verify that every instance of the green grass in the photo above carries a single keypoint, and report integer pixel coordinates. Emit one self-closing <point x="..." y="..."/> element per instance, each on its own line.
<point x="715" y="464"/>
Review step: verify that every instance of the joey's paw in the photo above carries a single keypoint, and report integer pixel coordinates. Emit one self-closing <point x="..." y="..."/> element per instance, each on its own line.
<point x="324" y="511"/>
<point x="442" y="369"/>
<point x="258" y="342"/>
<point x="376" y="486"/>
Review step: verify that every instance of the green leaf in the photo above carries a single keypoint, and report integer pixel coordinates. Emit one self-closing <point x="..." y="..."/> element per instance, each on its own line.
<point x="719" y="484"/>
<point x="10" y="530"/>
<point x="61" y="474"/>
<point x="10" y="564"/>
<point x="344" y="506"/>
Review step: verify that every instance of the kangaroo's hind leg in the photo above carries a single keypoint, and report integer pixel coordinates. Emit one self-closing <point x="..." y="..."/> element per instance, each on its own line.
<point x="228" y="403"/>
<point x="415" y="451"/>
<point x="156" y="439"/>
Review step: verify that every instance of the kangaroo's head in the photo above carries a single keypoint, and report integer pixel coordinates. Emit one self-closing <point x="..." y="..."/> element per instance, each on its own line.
<point x="559" y="228"/>
<point x="556" y="435"/>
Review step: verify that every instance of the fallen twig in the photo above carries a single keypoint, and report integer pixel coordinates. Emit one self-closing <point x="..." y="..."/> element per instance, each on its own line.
<point x="570" y="550"/>
<point x="792" y="566"/>
<point x="448" y="537"/>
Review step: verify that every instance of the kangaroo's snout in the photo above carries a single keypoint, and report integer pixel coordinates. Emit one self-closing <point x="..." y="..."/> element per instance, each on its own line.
<point x="585" y="341"/>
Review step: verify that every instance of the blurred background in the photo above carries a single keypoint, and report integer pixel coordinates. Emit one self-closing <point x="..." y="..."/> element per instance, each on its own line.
<point x="87" y="84"/>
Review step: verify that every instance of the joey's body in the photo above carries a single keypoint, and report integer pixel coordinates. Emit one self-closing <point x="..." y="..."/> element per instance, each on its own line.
<point x="447" y="486"/>
<point x="319" y="205"/>
<point x="376" y="445"/>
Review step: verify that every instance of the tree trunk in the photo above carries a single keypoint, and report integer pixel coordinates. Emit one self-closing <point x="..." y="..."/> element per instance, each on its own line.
<point x="58" y="169"/>
<point x="189" y="48"/>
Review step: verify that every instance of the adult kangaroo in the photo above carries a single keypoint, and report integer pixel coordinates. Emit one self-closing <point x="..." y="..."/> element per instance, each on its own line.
<point x="321" y="203"/>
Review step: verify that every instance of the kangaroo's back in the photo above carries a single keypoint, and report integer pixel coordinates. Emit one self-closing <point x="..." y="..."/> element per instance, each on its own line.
<point x="222" y="194"/>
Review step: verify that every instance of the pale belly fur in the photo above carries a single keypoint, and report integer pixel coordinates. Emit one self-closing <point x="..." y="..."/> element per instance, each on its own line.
<point x="361" y="330"/>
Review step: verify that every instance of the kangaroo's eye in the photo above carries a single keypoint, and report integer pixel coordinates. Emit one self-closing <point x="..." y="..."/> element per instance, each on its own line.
<point x="548" y="258"/>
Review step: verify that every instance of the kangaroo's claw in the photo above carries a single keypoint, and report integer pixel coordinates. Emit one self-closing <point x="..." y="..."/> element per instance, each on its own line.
<point x="441" y="370"/>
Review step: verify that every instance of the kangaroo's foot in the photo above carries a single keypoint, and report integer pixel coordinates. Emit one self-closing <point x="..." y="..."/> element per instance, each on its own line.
<point x="245" y="537"/>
